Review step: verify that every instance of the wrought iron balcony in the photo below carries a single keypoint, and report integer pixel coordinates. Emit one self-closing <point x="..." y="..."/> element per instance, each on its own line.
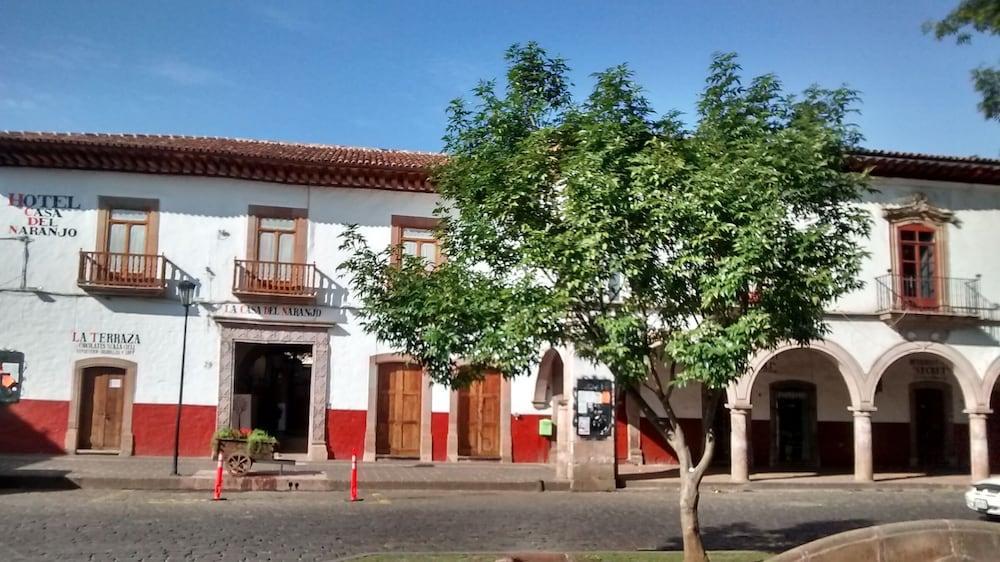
<point x="254" y="279"/>
<point x="943" y="298"/>
<point x="115" y="273"/>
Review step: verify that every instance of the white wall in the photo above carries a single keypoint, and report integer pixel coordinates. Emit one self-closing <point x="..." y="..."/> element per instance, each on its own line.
<point x="203" y="227"/>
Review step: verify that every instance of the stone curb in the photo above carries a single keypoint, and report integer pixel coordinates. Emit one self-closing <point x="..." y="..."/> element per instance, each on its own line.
<point x="287" y="482"/>
<point x="758" y="486"/>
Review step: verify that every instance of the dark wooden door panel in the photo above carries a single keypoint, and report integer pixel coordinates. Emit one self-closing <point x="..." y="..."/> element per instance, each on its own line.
<point x="398" y="417"/>
<point x="102" y="407"/>
<point x="479" y="418"/>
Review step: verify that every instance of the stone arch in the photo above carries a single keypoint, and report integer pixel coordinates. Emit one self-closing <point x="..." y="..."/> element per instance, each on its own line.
<point x="848" y="367"/>
<point x="990" y="381"/>
<point x="961" y="369"/>
<point x="549" y="381"/>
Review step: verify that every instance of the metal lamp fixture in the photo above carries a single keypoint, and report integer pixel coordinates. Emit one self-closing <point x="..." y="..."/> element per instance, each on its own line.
<point x="185" y="290"/>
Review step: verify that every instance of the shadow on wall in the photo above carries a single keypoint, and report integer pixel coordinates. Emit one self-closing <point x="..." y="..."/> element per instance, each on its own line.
<point x="31" y="431"/>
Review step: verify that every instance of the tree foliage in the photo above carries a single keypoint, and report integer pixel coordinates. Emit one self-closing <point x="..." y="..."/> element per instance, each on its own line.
<point x="599" y="224"/>
<point x="636" y="240"/>
<point x="980" y="16"/>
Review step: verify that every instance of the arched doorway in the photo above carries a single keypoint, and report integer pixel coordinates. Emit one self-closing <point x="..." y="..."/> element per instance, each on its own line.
<point x="550" y="394"/>
<point x="799" y="418"/>
<point x="919" y="394"/>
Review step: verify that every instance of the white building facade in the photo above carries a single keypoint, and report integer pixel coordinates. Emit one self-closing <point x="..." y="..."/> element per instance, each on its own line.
<point x="100" y="230"/>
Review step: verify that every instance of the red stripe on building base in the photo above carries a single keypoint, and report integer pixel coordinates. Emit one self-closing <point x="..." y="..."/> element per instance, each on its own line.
<point x="34" y="427"/>
<point x="153" y="430"/>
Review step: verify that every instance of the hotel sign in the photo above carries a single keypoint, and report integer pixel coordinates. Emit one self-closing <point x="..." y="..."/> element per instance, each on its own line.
<point x="42" y="214"/>
<point x="276" y="314"/>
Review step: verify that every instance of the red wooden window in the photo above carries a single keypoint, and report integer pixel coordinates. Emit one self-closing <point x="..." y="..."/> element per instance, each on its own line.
<point x="919" y="278"/>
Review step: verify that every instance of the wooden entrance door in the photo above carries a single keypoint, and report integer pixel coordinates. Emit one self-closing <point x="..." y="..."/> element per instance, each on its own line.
<point x="793" y="424"/>
<point x="397" y="432"/>
<point x="479" y="418"/>
<point x="929" y="414"/>
<point x="102" y="404"/>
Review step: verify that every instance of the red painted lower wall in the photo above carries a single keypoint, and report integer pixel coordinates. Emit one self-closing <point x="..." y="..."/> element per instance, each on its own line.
<point x="345" y="433"/>
<point x="891" y="445"/>
<point x="655" y="449"/>
<point x="439" y="436"/>
<point x="527" y="444"/>
<point x="34" y="427"/>
<point x="835" y="441"/>
<point x="153" y="430"/>
<point x="621" y="432"/>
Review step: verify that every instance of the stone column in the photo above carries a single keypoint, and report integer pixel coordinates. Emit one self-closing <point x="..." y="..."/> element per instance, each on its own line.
<point x="863" y="471"/>
<point x="739" y="462"/>
<point x="978" y="448"/>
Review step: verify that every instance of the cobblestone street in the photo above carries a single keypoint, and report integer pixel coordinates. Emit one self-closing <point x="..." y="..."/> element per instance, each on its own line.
<point x="123" y="525"/>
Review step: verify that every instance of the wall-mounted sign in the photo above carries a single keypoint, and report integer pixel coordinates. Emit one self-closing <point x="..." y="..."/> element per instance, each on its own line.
<point x="593" y="415"/>
<point x="11" y="369"/>
<point x="41" y="214"/>
<point x="106" y="343"/>
<point x="929" y="369"/>
<point x="275" y="313"/>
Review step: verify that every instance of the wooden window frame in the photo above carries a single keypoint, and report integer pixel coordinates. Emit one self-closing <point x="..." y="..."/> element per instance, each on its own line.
<point x="151" y="206"/>
<point x="940" y="231"/>
<point x="401" y="222"/>
<point x="301" y="217"/>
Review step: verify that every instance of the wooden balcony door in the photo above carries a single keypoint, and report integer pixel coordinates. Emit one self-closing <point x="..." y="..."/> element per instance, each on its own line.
<point x="127" y="245"/>
<point x="918" y="267"/>
<point x="479" y="418"/>
<point x="102" y="405"/>
<point x="400" y="388"/>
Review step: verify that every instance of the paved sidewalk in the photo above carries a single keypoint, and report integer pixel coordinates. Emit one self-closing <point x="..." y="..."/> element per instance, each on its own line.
<point x="153" y="473"/>
<point x="666" y="477"/>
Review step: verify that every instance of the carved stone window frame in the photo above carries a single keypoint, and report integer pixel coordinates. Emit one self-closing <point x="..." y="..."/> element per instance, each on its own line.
<point x="919" y="211"/>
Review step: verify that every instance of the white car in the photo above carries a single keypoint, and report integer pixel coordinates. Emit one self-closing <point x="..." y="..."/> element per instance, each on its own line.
<point x="984" y="497"/>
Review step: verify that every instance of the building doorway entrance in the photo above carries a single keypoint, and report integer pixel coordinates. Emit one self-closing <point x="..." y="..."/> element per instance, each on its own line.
<point x="479" y="418"/>
<point x="272" y="390"/>
<point x="930" y="426"/>
<point x="793" y="424"/>
<point x="397" y="430"/>
<point x="102" y="406"/>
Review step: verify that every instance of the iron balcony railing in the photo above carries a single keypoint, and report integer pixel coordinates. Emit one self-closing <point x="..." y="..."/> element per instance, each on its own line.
<point x="281" y="279"/>
<point x="117" y="271"/>
<point x="946" y="296"/>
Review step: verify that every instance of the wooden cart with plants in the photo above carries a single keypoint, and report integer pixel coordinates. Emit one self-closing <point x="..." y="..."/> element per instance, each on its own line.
<point x="240" y="448"/>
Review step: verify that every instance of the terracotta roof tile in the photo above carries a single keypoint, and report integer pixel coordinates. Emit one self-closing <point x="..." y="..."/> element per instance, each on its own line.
<point x="345" y="166"/>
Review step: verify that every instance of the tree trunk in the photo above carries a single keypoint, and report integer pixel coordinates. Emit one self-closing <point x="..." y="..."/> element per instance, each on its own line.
<point x="691" y="471"/>
<point x="694" y="549"/>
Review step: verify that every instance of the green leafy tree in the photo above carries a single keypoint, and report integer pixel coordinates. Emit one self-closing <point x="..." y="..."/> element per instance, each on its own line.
<point x="669" y="255"/>
<point x="981" y="16"/>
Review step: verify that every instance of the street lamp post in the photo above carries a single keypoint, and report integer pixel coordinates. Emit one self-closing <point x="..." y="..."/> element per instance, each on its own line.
<point x="186" y="290"/>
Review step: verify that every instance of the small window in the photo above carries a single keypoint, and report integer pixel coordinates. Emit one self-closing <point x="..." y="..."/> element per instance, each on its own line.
<point x="414" y="236"/>
<point x="127" y="237"/>
<point x="277" y="242"/>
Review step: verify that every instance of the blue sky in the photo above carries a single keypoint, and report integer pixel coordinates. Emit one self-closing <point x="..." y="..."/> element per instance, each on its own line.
<point x="380" y="73"/>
